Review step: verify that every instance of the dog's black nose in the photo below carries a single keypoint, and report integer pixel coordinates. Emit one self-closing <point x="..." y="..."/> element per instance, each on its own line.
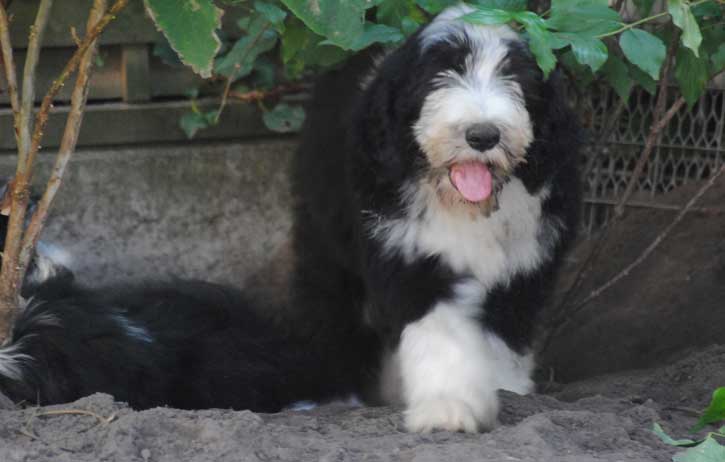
<point x="482" y="137"/>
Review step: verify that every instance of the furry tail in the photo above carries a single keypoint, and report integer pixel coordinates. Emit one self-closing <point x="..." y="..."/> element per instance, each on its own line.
<point x="189" y="345"/>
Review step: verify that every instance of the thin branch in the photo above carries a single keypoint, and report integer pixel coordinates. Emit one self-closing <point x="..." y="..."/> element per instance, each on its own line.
<point x="42" y="117"/>
<point x="643" y="20"/>
<point x="659" y="122"/>
<point x="561" y="312"/>
<point x="10" y="275"/>
<point x="68" y="142"/>
<point x="9" y="65"/>
<point x="258" y="95"/>
<point x="35" y="42"/>
<point x="658" y="240"/>
<point x="228" y="86"/>
<point x="556" y="329"/>
<point x="654" y="134"/>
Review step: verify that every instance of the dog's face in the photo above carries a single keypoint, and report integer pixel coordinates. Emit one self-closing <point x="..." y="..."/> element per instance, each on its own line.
<point x="467" y="97"/>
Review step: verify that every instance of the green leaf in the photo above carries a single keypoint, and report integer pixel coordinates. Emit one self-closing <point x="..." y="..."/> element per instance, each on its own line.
<point x="615" y="73"/>
<point x="301" y="49"/>
<point x="284" y="118"/>
<point x="507" y="5"/>
<point x="708" y="451"/>
<point x="487" y="16"/>
<point x="392" y="12"/>
<point x="189" y="26"/>
<point x="692" y="75"/>
<point x="540" y="44"/>
<point x="168" y="56"/>
<point x="643" y="79"/>
<point x="192" y="122"/>
<point x="409" y="27"/>
<point x="644" y="6"/>
<point x="644" y="50"/>
<point x="272" y="13"/>
<point x="708" y="9"/>
<point x="718" y="60"/>
<point x="239" y="61"/>
<point x="659" y="431"/>
<point x="684" y="19"/>
<point x="586" y="17"/>
<point x="376" y="33"/>
<point x="435" y="6"/>
<point x="340" y="21"/>
<point x="583" y="75"/>
<point x="589" y="51"/>
<point x="715" y="412"/>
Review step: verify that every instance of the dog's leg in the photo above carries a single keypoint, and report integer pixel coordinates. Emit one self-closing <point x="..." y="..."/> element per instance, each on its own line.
<point x="451" y="368"/>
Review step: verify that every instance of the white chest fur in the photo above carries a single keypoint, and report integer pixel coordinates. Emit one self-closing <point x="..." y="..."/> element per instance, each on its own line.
<point x="491" y="249"/>
<point x="447" y="368"/>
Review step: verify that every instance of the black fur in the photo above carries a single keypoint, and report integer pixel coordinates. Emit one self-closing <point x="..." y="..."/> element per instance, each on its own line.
<point x="350" y="298"/>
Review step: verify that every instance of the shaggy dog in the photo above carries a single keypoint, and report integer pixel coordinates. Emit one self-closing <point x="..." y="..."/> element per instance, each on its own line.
<point x="433" y="206"/>
<point x="435" y="212"/>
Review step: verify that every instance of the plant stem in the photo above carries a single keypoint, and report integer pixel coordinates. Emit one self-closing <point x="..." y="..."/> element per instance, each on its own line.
<point x="659" y="122"/>
<point x="644" y="20"/>
<point x="11" y="275"/>
<point x="228" y="85"/>
<point x="35" y="42"/>
<point x="42" y="117"/>
<point x="9" y="64"/>
<point x="69" y="140"/>
<point x="658" y="240"/>
<point x="13" y="269"/>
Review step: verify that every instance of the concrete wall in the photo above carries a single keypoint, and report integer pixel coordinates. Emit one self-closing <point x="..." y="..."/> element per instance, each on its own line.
<point x="218" y="212"/>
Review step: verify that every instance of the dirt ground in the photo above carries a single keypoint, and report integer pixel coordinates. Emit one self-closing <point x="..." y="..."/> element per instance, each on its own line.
<point x="603" y="419"/>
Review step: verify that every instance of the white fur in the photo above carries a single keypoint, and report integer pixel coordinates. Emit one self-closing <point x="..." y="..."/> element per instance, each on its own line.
<point x="480" y="95"/>
<point x="492" y="248"/>
<point x="451" y="368"/>
<point x="11" y="361"/>
<point x="132" y="330"/>
<point x="448" y="368"/>
<point x="49" y="258"/>
<point x="448" y="25"/>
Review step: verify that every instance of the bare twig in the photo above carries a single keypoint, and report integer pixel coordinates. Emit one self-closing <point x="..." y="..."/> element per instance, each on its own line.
<point x="13" y="268"/>
<point x="90" y="37"/>
<point x="258" y="95"/>
<point x="659" y="122"/>
<point x="658" y="240"/>
<point x="576" y="308"/>
<point x="9" y="63"/>
<point x="10" y="276"/>
<point x="35" y="42"/>
<point x="561" y="314"/>
<point x="68" y="142"/>
<point x="230" y="79"/>
<point x="27" y="429"/>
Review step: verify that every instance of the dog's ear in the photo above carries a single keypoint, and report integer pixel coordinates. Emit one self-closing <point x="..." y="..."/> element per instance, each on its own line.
<point x="385" y="113"/>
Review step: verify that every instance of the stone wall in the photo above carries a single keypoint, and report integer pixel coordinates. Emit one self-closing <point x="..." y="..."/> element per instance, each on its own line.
<point x="218" y="212"/>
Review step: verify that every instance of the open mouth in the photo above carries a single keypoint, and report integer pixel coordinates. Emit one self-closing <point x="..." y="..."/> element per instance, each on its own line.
<point x="472" y="179"/>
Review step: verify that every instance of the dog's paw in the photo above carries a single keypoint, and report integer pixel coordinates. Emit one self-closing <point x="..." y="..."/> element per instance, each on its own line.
<point x="451" y="415"/>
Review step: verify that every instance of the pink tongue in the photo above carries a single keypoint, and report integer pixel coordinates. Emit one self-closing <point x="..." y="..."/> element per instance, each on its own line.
<point x="472" y="180"/>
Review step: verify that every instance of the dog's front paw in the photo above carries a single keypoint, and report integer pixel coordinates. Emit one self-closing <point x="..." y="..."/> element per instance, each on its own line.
<point x="451" y="415"/>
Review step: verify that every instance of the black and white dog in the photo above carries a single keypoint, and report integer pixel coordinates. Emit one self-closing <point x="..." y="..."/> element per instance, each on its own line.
<point x="435" y="212"/>
<point x="434" y="204"/>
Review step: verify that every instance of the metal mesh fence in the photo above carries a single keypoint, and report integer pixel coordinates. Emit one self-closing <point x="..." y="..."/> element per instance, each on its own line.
<point x="688" y="149"/>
